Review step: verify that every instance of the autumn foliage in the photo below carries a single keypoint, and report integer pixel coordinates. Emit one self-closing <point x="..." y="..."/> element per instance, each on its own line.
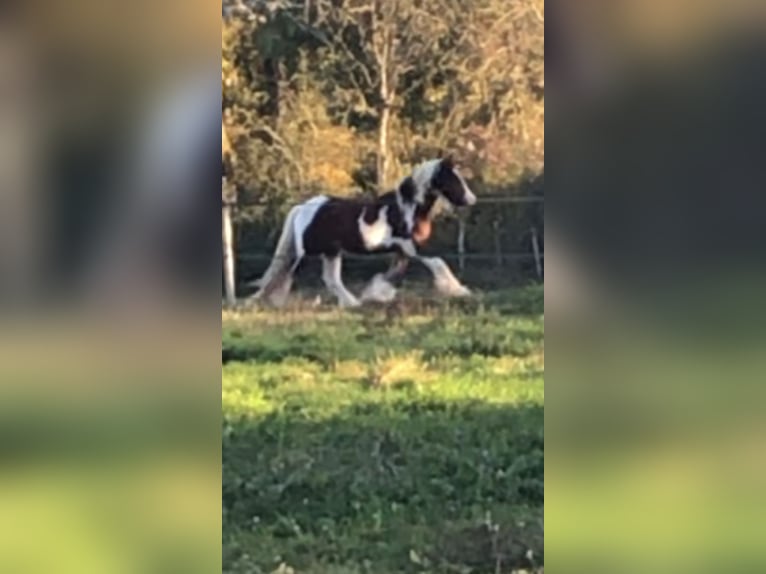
<point x="343" y="96"/>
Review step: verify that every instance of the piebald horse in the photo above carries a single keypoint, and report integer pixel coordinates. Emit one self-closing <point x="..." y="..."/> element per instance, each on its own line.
<point x="398" y="221"/>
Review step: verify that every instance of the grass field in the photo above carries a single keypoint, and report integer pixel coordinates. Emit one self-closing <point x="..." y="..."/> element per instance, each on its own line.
<point x="405" y="438"/>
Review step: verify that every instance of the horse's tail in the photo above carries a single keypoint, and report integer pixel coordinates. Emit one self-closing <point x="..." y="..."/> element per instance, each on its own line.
<point x="284" y="252"/>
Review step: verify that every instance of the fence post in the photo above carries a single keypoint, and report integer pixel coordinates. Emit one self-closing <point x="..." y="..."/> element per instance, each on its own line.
<point x="461" y="243"/>
<point x="228" y="254"/>
<point x="498" y="243"/>
<point x="536" y="251"/>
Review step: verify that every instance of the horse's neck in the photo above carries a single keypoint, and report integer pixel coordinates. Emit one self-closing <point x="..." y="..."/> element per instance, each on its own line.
<point x="426" y="209"/>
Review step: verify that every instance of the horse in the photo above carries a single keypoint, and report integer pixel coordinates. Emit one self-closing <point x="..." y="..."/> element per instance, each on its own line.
<point x="397" y="221"/>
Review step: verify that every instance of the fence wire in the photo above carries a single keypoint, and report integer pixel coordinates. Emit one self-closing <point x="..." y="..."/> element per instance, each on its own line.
<point x="481" y="200"/>
<point x="373" y="256"/>
<point x="491" y="267"/>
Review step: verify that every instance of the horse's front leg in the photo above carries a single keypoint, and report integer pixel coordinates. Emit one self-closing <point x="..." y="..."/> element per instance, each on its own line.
<point x="398" y="268"/>
<point x="381" y="287"/>
<point x="444" y="280"/>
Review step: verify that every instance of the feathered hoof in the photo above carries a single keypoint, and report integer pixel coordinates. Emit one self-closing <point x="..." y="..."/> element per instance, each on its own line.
<point x="379" y="290"/>
<point x="463" y="292"/>
<point x="454" y="291"/>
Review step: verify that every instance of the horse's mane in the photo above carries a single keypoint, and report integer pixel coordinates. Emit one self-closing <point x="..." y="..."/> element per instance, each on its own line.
<point x="420" y="176"/>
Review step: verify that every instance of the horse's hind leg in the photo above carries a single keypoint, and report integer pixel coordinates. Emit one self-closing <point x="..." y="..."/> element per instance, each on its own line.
<point x="276" y="291"/>
<point x="331" y="275"/>
<point x="281" y="290"/>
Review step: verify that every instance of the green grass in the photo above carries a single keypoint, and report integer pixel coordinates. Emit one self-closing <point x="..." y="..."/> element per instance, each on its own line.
<point x="405" y="438"/>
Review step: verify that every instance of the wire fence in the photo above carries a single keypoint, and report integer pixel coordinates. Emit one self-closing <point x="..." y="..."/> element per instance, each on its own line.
<point x="491" y="198"/>
<point x="498" y="242"/>
<point x="386" y="256"/>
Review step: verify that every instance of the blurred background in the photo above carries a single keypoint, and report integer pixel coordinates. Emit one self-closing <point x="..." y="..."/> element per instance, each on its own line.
<point x="653" y="293"/>
<point x="109" y="332"/>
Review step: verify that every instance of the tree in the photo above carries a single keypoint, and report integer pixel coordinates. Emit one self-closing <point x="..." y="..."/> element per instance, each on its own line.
<point x="486" y="97"/>
<point x="382" y="50"/>
<point x="332" y="94"/>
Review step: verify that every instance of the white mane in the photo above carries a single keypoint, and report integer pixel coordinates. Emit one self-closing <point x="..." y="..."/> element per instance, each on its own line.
<point x="422" y="176"/>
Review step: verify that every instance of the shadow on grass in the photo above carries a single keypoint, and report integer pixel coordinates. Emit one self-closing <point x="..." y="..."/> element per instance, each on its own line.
<point x="395" y="486"/>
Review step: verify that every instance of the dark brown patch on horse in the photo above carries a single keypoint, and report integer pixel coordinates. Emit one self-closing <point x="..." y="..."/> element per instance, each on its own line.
<point x="396" y="219"/>
<point x="408" y="190"/>
<point x="372" y="212"/>
<point x="335" y="227"/>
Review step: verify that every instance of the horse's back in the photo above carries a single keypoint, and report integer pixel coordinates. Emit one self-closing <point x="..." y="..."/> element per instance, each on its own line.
<point x="334" y="226"/>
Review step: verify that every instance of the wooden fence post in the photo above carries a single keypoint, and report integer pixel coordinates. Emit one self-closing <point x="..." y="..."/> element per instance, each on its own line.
<point x="461" y="243"/>
<point x="498" y="243"/>
<point x="536" y="251"/>
<point x="228" y="254"/>
<point x="228" y="200"/>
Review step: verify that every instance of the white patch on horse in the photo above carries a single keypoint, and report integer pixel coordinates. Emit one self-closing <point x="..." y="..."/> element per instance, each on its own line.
<point x="408" y="213"/>
<point x="406" y="245"/>
<point x="470" y="198"/>
<point x="422" y="176"/>
<point x="307" y="211"/>
<point x="378" y="233"/>
<point x="409" y="218"/>
<point x="331" y="274"/>
<point x="276" y="282"/>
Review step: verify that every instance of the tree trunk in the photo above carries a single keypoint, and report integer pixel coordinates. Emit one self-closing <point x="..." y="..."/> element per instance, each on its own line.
<point x="387" y="93"/>
<point x="383" y="159"/>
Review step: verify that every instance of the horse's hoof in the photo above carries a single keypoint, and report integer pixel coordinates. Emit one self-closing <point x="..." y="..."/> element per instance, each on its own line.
<point x="463" y="292"/>
<point x="379" y="290"/>
<point x="454" y="291"/>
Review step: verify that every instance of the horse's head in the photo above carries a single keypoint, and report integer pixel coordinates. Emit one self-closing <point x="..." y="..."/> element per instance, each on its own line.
<point x="441" y="177"/>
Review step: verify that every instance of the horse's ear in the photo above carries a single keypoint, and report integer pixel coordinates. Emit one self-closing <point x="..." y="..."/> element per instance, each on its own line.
<point x="448" y="160"/>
